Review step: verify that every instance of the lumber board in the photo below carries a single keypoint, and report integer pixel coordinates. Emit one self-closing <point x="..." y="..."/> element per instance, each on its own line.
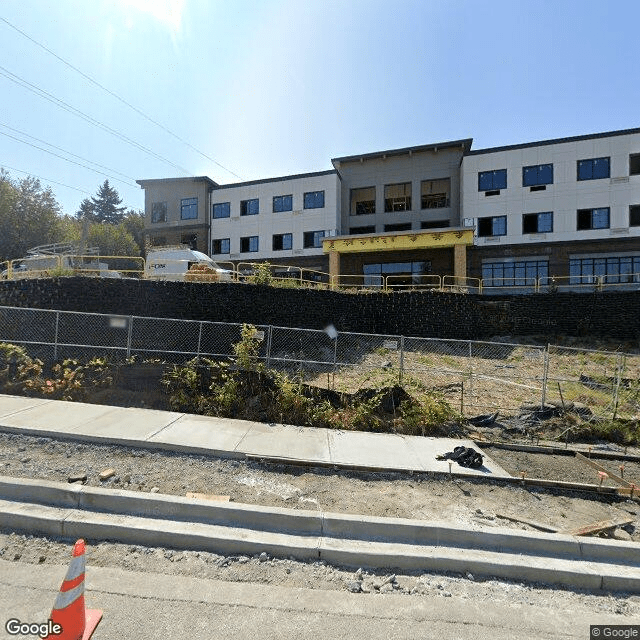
<point x="599" y="467"/>
<point x="531" y="523"/>
<point x="597" y="527"/>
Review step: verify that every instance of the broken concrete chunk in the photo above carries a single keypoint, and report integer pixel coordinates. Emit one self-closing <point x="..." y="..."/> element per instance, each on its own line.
<point x="77" y="477"/>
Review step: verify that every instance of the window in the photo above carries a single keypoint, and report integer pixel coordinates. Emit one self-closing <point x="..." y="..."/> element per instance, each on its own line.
<point x="634" y="215"/>
<point x="593" y="169"/>
<point x="404" y="226"/>
<point x="403" y="273"/>
<point x="282" y="241"/>
<point x="520" y="273"/>
<point x="249" y="244"/>
<point x="537" y="222"/>
<point x="249" y="207"/>
<point x="159" y="212"/>
<point x="363" y="201"/>
<point x="495" y="226"/>
<point x="593" y="219"/>
<point x="222" y="210"/>
<point x="612" y="270"/>
<point x="282" y="203"/>
<point x="397" y="197"/>
<point x="314" y="200"/>
<point x="190" y="239"/>
<point x="220" y="245"/>
<point x="634" y="164"/>
<point x="434" y="194"/>
<point x="492" y="180"/>
<point x="158" y="241"/>
<point x="188" y="208"/>
<point x="435" y="224"/>
<point x="360" y="230"/>
<point x="313" y="239"/>
<point x="537" y="175"/>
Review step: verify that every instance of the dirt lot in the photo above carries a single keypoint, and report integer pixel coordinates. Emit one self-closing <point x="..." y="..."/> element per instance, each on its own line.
<point x="467" y="502"/>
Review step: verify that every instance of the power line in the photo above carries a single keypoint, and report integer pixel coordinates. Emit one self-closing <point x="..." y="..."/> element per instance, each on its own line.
<point x="68" y="186"/>
<point x="117" y="97"/>
<point x="22" y="133"/>
<point x="57" y="155"/>
<point x="80" y="114"/>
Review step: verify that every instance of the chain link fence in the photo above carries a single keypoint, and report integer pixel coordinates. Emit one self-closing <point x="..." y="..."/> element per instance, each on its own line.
<point x="475" y="376"/>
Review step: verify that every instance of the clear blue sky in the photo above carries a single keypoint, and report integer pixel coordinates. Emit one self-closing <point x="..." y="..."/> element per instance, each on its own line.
<point x="278" y="87"/>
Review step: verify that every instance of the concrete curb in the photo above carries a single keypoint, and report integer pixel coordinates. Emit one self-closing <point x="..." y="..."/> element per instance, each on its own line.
<point x="64" y="510"/>
<point x="72" y="523"/>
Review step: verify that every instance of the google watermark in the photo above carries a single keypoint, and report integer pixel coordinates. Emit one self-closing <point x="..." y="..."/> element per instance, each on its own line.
<point x="15" y="627"/>
<point x="614" y="631"/>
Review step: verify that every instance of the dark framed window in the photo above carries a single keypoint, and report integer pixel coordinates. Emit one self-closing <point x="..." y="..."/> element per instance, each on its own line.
<point x="402" y="226"/>
<point x="519" y="273"/>
<point x="220" y="246"/>
<point x="190" y="239"/>
<point x="634" y="164"/>
<point x="537" y="175"/>
<point x="492" y="180"/>
<point x="250" y="207"/>
<point x="593" y="219"/>
<point x="363" y="201"/>
<point x="435" y="224"/>
<point x="249" y="244"/>
<point x="314" y="200"/>
<point x="397" y="197"/>
<point x="537" y="222"/>
<point x="492" y="226"/>
<point x="158" y="241"/>
<point x="282" y="241"/>
<point x="282" y="203"/>
<point x="188" y="208"/>
<point x="404" y="273"/>
<point x="434" y="194"/>
<point x="360" y="230"/>
<point x="159" y="212"/>
<point x="634" y="215"/>
<point x="221" y="210"/>
<point x="593" y="169"/>
<point x="312" y="239"/>
<point x="612" y="270"/>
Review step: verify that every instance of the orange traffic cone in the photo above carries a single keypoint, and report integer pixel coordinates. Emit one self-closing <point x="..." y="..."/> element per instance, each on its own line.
<point x="75" y="622"/>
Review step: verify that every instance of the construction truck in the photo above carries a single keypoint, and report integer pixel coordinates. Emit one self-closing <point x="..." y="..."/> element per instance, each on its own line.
<point x="42" y="261"/>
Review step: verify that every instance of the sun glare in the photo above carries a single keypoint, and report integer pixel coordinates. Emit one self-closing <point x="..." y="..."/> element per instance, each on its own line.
<point x="167" y="12"/>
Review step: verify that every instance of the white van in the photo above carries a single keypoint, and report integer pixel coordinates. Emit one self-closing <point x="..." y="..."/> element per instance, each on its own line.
<point x="173" y="263"/>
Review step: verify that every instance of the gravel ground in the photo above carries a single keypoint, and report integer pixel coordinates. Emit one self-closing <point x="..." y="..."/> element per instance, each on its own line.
<point x="318" y="575"/>
<point x="466" y="502"/>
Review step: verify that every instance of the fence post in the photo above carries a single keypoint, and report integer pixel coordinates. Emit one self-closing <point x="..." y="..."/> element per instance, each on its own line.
<point x="199" y="339"/>
<point x="616" y="392"/>
<point x="335" y="359"/>
<point x="470" y="368"/>
<point x="545" y="377"/>
<point x="129" y="336"/>
<point x="401" y="360"/>
<point x="55" y="344"/>
<point x="269" y="335"/>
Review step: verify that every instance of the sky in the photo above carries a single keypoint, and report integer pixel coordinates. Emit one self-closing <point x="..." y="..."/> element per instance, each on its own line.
<point x="241" y="90"/>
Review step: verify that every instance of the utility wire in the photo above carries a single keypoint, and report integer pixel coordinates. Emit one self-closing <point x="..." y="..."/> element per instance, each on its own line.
<point x="57" y="155"/>
<point x="22" y="133"/>
<point x="117" y="97"/>
<point x="67" y="107"/>
<point x="68" y="186"/>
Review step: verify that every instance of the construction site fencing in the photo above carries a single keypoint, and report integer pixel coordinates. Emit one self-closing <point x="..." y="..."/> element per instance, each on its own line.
<point x="476" y="377"/>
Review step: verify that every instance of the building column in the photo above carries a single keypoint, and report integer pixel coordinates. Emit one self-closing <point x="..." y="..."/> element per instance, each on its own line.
<point x="460" y="261"/>
<point x="334" y="263"/>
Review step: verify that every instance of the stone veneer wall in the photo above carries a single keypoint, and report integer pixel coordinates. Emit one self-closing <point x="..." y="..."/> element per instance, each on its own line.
<point x="410" y="313"/>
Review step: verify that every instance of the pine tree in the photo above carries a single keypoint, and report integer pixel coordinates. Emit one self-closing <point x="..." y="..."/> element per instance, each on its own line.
<point x="86" y="211"/>
<point x="105" y="205"/>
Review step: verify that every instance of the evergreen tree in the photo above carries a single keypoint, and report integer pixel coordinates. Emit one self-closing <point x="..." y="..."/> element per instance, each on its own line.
<point x="86" y="211"/>
<point x="105" y="205"/>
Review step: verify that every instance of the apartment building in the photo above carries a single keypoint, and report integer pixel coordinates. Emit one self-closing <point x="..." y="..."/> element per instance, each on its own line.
<point x="514" y="215"/>
<point x="568" y="207"/>
<point x="283" y="220"/>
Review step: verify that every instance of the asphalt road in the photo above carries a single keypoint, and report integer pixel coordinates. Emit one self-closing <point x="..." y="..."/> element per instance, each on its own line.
<point x="143" y="606"/>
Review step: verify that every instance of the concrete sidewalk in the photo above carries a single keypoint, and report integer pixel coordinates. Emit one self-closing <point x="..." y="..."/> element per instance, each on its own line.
<point x="225" y="437"/>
